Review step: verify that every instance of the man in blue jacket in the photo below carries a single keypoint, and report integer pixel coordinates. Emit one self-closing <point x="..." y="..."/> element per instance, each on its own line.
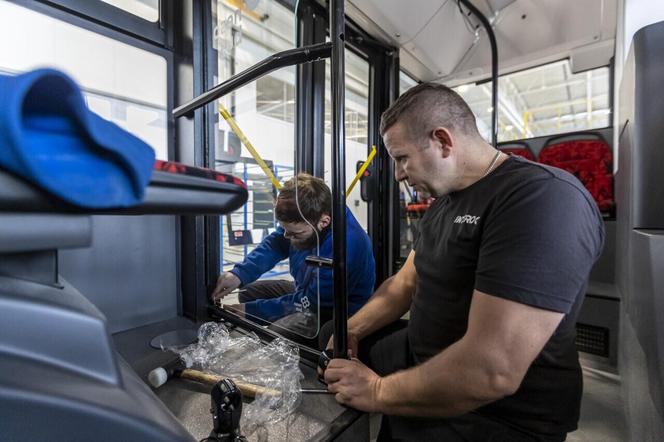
<point x="303" y="209"/>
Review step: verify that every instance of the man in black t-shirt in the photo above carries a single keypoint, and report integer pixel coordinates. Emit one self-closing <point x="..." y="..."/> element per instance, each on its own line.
<point x="494" y="286"/>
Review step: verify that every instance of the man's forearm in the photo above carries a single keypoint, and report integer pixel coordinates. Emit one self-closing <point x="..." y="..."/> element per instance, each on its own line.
<point x="452" y="383"/>
<point x="389" y="303"/>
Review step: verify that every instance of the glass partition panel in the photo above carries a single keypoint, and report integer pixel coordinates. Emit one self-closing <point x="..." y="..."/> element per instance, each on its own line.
<point x="265" y="243"/>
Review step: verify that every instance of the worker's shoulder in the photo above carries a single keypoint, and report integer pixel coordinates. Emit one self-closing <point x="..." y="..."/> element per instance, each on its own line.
<point x="353" y="226"/>
<point x="526" y="174"/>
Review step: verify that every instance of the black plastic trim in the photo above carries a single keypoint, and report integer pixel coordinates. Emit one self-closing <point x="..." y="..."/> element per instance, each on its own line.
<point x="282" y="59"/>
<point x="166" y="194"/>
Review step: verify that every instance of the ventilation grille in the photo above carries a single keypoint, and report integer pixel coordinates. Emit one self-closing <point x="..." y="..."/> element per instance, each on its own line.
<point x="592" y="339"/>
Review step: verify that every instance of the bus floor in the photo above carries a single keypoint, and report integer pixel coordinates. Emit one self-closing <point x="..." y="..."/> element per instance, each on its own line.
<point x="602" y="417"/>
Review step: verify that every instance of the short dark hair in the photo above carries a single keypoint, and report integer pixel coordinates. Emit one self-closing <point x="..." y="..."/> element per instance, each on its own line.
<point x="313" y="196"/>
<point x="427" y="106"/>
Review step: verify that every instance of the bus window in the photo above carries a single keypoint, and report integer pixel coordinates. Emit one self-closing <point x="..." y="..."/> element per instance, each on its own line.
<point x="127" y="87"/>
<point x="146" y="9"/>
<point x="545" y="100"/>
<point x="405" y="82"/>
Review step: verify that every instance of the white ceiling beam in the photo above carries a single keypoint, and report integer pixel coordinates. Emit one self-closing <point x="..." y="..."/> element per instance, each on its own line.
<point x="508" y="109"/>
<point x="566" y="103"/>
<point x="579" y="116"/>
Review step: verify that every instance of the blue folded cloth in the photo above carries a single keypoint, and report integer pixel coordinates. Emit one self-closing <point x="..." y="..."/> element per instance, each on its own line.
<point x="49" y="137"/>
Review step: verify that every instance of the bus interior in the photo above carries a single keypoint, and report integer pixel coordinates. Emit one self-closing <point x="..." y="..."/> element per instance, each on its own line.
<point x="237" y="96"/>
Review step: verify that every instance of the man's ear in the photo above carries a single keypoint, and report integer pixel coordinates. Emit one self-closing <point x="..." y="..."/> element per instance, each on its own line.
<point x="324" y="221"/>
<point x="444" y="139"/>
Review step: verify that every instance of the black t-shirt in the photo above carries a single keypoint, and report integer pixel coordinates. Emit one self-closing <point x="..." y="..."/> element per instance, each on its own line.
<point x="527" y="233"/>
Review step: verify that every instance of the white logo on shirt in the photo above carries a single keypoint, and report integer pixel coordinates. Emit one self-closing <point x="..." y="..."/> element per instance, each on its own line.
<point x="305" y="302"/>
<point x="466" y="219"/>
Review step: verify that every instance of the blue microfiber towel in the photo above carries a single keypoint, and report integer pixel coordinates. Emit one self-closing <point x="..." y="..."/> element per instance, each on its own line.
<point x="49" y="137"/>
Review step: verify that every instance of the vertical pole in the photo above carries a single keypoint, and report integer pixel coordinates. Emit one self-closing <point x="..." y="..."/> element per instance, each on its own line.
<point x="304" y="98"/>
<point x="245" y="176"/>
<point x="494" y="68"/>
<point x="337" y="22"/>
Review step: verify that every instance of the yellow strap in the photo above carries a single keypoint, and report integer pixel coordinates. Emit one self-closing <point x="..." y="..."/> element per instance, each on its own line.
<point x="360" y="172"/>
<point x="268" y="172"/>
<point x="231" y="122"/>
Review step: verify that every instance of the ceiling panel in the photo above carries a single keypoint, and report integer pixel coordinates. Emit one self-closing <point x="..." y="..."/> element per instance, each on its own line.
<point x="399" y="19"/>
<point x="432" y="31"/>
<point x="444" y="40"/>
<point x="529" y="29"/>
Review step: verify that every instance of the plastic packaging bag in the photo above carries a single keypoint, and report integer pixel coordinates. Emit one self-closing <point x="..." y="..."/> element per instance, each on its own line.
<point x="245" y="358"/>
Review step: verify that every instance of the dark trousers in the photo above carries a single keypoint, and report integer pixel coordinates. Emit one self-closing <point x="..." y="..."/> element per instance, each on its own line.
<point x="388" y="351"/>
<point x="298" y="327"/>
<point x="272" y="288"/>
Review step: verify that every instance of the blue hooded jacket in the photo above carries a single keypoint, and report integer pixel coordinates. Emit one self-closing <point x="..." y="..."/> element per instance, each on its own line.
<point x="360" y="272"/>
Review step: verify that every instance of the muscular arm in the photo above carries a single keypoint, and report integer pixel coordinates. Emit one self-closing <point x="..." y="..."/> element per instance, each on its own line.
<point x="388" y="303"/>
<point x="488" y="363"/>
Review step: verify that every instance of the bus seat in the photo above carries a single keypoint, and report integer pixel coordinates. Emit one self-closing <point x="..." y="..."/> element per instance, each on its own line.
<point x="517" y="148"/>
<point x="589" y="159"/>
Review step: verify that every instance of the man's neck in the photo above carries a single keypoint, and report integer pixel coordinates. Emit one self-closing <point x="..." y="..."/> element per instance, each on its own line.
<point x="480" y="161"/>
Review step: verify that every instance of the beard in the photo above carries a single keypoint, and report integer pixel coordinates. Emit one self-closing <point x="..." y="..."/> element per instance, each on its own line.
<point x="307" y="243"/>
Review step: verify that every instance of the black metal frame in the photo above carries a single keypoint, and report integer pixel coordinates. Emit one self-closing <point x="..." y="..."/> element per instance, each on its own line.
<point x="315" y="52"/>
<point x="115" y="18"/>
<point x="194" y="230"/>
<point x="494" y="68"/>
<point x="384" y="81"/>
<point x="279" y="60"/>
<point x="310" y="95"/>
<point x="387" y="233"/>
<point x="338" y="82"/>
<point x="383" y="90"/>
<point x="211" y="224"/>
<point x="201" y="238"/>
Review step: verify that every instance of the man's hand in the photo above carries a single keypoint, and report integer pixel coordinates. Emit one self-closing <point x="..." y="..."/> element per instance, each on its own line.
<point x="353" y="344"/>
<point x="226" y="283"/>
<point x="354" y="384"/>
<point x="238" y="309"/>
